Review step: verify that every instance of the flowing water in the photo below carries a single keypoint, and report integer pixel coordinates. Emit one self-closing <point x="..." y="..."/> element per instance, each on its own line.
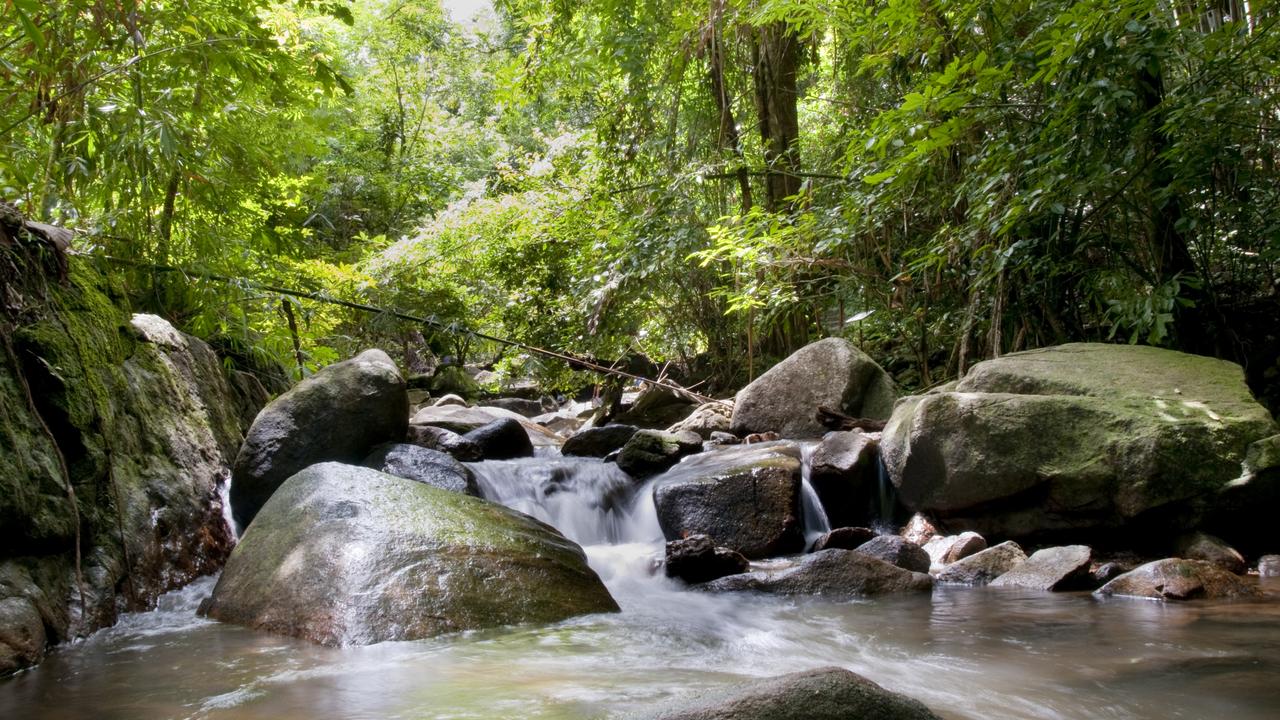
<point x="967" y="653"/>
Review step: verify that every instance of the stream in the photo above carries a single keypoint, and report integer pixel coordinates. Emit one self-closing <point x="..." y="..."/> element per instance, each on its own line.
<point x="965" y="652"/>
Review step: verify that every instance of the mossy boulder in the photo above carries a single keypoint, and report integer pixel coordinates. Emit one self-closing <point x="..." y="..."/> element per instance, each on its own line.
<point x="341" y="413"/>
<point x="344" y="555"/>
<point x="1078" y="438"/>
<point x="831" y="373"/>
<point x="649" y="452"/>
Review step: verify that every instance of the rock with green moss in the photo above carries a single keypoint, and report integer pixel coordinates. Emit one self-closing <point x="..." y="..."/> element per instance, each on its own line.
<point x="649" y="452"/>
<point x="831" y="373"/>
<point x="344" y="555"/>
<point x="341" y="413"/>
<point x="1077" y="438"/>
<point x="744" y="498"/>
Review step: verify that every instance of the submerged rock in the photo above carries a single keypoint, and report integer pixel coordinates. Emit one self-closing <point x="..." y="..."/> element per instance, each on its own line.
<point x="696" y="559"/>
<point x="432" y="467"/>
<point x="896" y="551"/>
<point x="746" y="499"/>
<point x="344" y="555"/>
<point x="1180" y="579"/>
<point x="340" y="414"/>
<point x="983" y="567"/>
<point x="502" y="439"/>
<point x="845" y="474"/>
<point x="649" y="452"/>
<point x="598" y="441"/>
<point x="1082" y="437"/>
<point x="445" y="441"/>
<point x="1203" y="546"/>
<point x="823" y="694"/>
<point x="831" y="373"/>
<point x="830" y="573"/>
<point x="1056" y="568"/>
<point x="845" y="538"/>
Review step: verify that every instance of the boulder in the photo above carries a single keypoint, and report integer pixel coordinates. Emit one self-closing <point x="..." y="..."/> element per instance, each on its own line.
<point x="345" y="555"/>
<point x="744" y="498"/>
<point x="696" y="559"/>
<point x="1269" y="566"/>
<point x="831" y="373"/>
<point x="919" y="530"/>
<point x="450" y="400"/>
<point x="1203" y="546"/>
<point x="462" y="420"/>
<point x="845" y="538"/>
<point x="598" y="441"/>
<point x="1055" y="568"/>
<point x="896" y="551"/>
<point x="526" y="407"/>
<point x="839" y="574"/>
<point x="1079" y="439"/>
<point x="446" y="441"/>
<point x="944" y="550"/>
<point x="983" y="567"/>
<point x="649" y="452"/>
<point x="824" y="694"/>
<point x="1108" y="571"/>
<point x="502" y="439"/>
<point x="845" y="473"/>
<point x="657" y="407"/>
<point x="706" y="419"/>
<point x="1180" y="579"/>
<point x="432" y="467"/>
<point x="341" y="413"/>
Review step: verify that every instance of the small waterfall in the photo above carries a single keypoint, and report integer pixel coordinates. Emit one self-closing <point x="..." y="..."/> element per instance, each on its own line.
<point x="814" y="517"/>
<point x="886" y="500"/>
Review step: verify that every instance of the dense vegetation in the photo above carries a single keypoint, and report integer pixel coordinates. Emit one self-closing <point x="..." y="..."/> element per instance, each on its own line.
<point x="712" y="184"/>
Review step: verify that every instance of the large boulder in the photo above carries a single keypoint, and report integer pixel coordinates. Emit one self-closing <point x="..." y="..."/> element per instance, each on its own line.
<point x="344" y="555"/>
<point x="696" y="559"/>
<point x="839" y="574"/>
<point x="598" y="441"/>
<point x="845" y="474"/>
<point x="896" y="551"/>
<point x="341" y="413"/>
<point x="744" y="498"/>
<point x="823" y="694"/>
<point x="1077" y="439"/>
<point x="649" y="452"/>
<point x="1055" y="568"/>
<point x="831" y="373"/>
<point x="1180" y="579"/>
<point x="432" y="467"/>
<point x="983" y="567"/>
<point x="502" y="439"/>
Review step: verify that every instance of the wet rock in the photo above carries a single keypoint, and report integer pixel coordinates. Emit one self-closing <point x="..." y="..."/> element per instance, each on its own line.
<point x="432" y="467"/>
<point x="845" y="538"/>
<point x="1203" y="546"/>
<point x="830" y="373"/>
<point x="829" y="573"/>
<point x="344" y="555"/>
<point x="526" y="407"/>
<point x="1269" y="566"/>
<point x="450" y="400"/>
<point x="744" y="498"/>
<point x="724" y="438"/>
<point x="340" y="413"/>
<point x="598" y="441"/>
<point x="919" y="530"/>
<point x="845" y="473"/>
<point x="1079" y="438"/>
<point x="1180" y="579"/>
<point x="445" y="441"/>
<point x="657" y="407"/>
<point x="896" y="551"/>
<point x="983" y="567"/>
<point x="462" y="420"/>
<point x="944" y="550"/>
<point x="823" y="694"/>
<point x="22" y="635"/>
<point x="696" y="559"/>
<point x="502" y="439"/>
<point x="1108" y="571"/>
<point x="649" y="452"/>
<point x="1056" y="568"/>
<point x="706" y="419"/>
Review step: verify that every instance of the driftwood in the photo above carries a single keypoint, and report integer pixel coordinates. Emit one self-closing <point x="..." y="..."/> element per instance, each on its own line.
<point x="839" y="421"/>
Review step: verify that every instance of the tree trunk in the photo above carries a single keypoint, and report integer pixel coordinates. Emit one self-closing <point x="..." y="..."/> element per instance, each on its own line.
<point x="776" y="57"/>
<point x="729" y="137"/>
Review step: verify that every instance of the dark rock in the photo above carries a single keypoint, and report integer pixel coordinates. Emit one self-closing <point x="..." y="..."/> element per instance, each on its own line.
<point x="823" y="694"/>
<point x="830" y="373"/>
<point x="1269" y="566"/>
<point x="707" y="419"/>
<point x="344" y="555"/>
<point x="830" y="573"/>
<point x="746" y="499"/>
<point x="845" y="538"/>
<point x="340" y="413"/>
<point x="649" y="452"/>
<point x="983" y="567"/>
<point x="432" y="467"/>
<point x="896" y="551"/>
<point x="502" y="439"/>
<point x="462" y="420"/>
<point x="525" y="407"/>
<point x="1203" y="546"/>
<point x="446" y="441"/>
<point x="598" y="441"/>
<point x="696" y="559"/>
<point x="657" y="407"/>
<point x="22" y="635"/>
<point x="1056" y="568"/>
<point x="845" y="473"/>
<point x="1180" y="579"/>
<point x="944" y="550"/>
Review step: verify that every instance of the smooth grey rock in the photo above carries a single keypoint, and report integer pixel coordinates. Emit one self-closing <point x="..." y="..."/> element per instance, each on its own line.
<point x="502" y="439"/>
<point x="944" y="550"/>
<point x="829" y="573"/>
<point x="1055" y="568"/>
<point x="696" y="559"/>
<point x="432" y="467"/>
<point x="526" y="407"/>
<point x="1180" y="579"/>
<point x="1203" y="546"/>
<point x="598" y="441"/>
<point x="896" y="551"/>
<point x="983" y="567"/>
<point x="445" y="441"/>
<point x="649" y="452"/>
<point x="845" y="474"/>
